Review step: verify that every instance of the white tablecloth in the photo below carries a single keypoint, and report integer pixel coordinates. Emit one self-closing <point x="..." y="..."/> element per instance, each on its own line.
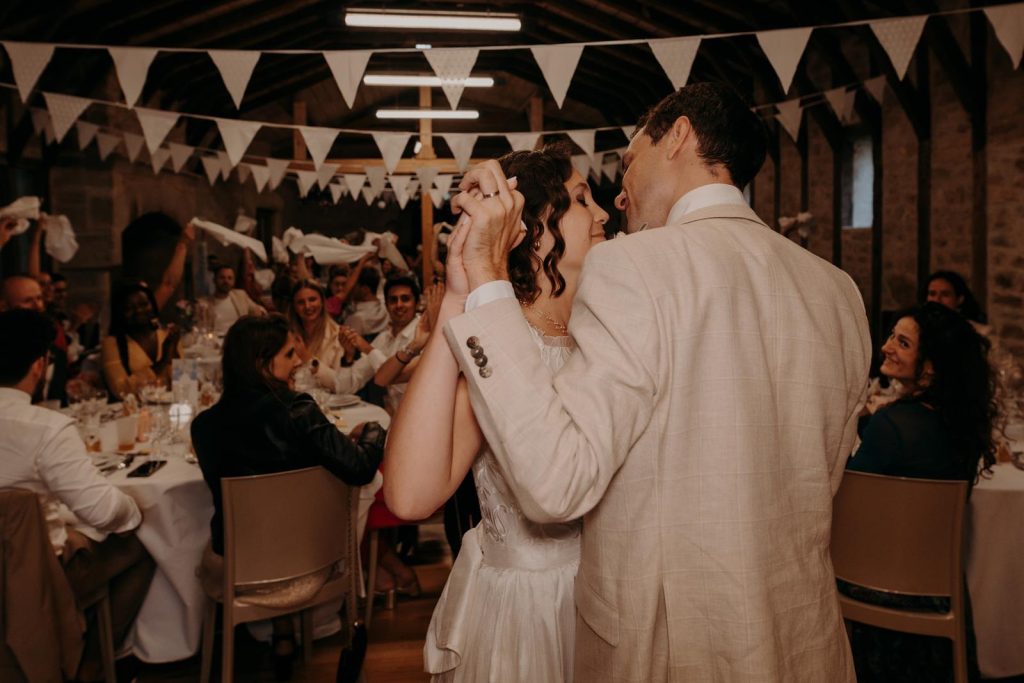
<point x="995" y="571"/>
<point x="176" y="510"/>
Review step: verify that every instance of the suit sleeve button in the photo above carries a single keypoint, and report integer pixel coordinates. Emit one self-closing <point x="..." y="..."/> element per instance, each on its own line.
<point x="473" y="343"/>
<point x="481" y="361"/>
<point x="486" y="372"/>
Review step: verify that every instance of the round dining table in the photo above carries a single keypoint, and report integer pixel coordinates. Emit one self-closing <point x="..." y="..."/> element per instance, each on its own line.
<point x="176" y="510"/>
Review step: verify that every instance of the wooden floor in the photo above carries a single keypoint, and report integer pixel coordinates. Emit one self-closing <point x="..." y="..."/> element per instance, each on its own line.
<point x="395" y="653"/>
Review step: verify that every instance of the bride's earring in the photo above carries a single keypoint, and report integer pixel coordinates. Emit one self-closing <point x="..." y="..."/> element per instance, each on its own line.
<point x="536" y="244"/>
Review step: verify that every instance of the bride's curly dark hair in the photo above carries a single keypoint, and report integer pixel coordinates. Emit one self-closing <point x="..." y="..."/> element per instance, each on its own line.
<point x="541" y="175"/>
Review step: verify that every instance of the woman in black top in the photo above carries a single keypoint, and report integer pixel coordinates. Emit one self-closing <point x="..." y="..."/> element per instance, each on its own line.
<point x="262" y="426"/>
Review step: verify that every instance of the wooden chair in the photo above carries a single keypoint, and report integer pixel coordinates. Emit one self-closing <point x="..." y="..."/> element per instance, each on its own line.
<point x="903" y="536"/>
<point x="280" y="527"/>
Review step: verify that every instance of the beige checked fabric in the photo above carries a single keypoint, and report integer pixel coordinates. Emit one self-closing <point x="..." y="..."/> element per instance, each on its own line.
<point x="701" y="429"/>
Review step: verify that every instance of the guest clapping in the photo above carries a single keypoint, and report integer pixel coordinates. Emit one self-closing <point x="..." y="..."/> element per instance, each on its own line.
<point x="139" y="349"/>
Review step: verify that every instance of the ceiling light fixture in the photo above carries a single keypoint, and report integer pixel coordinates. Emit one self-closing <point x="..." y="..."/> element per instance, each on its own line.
<point x="435" y="21"/>
<point x="430" y="81"/>
<point x="462" y="114"/>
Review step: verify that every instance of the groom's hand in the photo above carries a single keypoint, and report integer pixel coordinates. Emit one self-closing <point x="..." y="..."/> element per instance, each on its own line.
<point x="494" y="210"/>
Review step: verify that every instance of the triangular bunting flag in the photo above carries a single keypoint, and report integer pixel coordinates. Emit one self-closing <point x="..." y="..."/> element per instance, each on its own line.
<point x="1008" y="23"/>
<point x="235" y="68"/>
<point x="558" y="64"/>
<point x="337" y="192"/>
<point x="260" y="176"/>
<point x="437" y="197"/>
<point x="461" y="145"/>
<point x="790" y="116"/>
<point x="444" y="183"/>
<point x="179" y="155"/>
<point x="159" y="157"/>
<point x="400" y="186"/>
<point x="86" y="132"/>
<point x="841" y="101"/>
<point x="899" y="38"/>
<point x="377" y="175"/>
<point x="628" y="131"/>
<point x="243" y="172"/>
<point x="27" y="62"/>
<point x="278" y="167"/>
<point x="610" y="169"/>
<point x="306" y="181"/>
<point x="132" y="64"/>
<point x="676" y="57"/>
<point x="581" y="162"/>
<point x="225" y="164"/>
<point x="156" y="124"/>
<point x="368" y="195"/>
<point x="583" y="138"/>
<point x="40" y="120"/>
<point x="319" y="142"/>
<point x="426" y="174"/>
<point x="355" y="182"/>
<point x="64" y="111"/>
<point x="133" y="143"/>
<point x="325" y="174"/>
<point x="452" y="66"/>
<point x="784" y="49"/>
<point x="391" y="146"/>
<point x="107" y="143"/>
<point x="347" y="67"/>
<point x="237" y="136"/>
<point x="522" y="142"/>
<point x="212" y="167"/>
<point x="876" y="86"/>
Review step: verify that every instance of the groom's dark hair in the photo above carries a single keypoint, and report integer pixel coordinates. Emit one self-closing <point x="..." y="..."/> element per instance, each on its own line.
<point x="728" y="132"/>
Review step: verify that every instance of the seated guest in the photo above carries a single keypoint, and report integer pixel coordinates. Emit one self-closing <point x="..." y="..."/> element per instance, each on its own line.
<point x="950" y="289"/>
<point x="228" y="304"/>
<point x="940" y="428"/>
<point x="90" y="521"/>
<point x="338" y="285"/>
<point x="139" y="349"/>
<point x="369" y="317"/>
<point x="316" y="334"/>
<point x="24" y="292"/>
<point x="259" y="364"/>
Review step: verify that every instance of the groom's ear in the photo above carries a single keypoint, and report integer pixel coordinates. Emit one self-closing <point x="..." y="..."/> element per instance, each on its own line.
<point x="677" y="137"/>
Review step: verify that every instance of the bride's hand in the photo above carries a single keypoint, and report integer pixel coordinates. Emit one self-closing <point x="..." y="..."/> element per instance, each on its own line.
<point x="456" y="279"/>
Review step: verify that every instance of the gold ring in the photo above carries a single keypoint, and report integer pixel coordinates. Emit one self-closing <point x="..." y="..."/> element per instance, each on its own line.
<point x="492" y="194"/>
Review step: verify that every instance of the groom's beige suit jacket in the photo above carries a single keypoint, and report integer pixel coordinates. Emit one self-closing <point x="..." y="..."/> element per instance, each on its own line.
<point x="700" y="429"/>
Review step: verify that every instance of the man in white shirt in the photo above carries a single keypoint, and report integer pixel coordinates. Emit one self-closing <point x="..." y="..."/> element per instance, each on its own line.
<point x="227" y="303"/>
<point x="89" y="520"/>
<point x="369" y="315"/>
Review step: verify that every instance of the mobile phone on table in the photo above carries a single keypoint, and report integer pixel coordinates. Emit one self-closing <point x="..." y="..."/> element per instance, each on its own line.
<point x="147" y="468"/>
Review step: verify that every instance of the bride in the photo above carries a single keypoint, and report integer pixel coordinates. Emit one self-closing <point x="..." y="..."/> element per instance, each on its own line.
<point x="507" y="611"/>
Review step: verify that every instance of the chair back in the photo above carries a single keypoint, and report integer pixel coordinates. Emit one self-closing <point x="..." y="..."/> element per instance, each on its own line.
<point x="285" y="525"/>
<point x="899" y="535"/>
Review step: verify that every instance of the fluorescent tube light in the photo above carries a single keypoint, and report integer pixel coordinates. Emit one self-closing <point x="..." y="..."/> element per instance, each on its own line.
<point x="436" y="21"/>
<point x="463" y="114"/>
<point x="431" y="81"/>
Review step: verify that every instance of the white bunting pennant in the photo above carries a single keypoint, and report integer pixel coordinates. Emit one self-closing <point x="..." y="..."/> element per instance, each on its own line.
<point x="558" y="64"/>
<point x="40" y="120"/>
<point x="784" y="49"/>
<point x="585" y="140"/>
<point x="377" y="175"/>
<point x="237" y="136"/>
<point x="325" y="174"/>
<point x="610" y="169"/>
<point x="522" y="142"/>
<point x="180" y="155"/>
<point x="452" y="66"/>
<point x="107" y="143"/>
<point x="876" y="86"/>
<point x="156" y="124"/>
<point x="676" y="57"/>
<point x="444" y="183"/>
<point x="306" y="181"/>
<point x="86" y="132"/>
<point x="64" y="111"/>
<point x="158" y="157"/>
<point x="212" y="167"/>
<point x="436" y="197"/>
<point x="391" y="146"/>
<point x="841" y="100"/>
<point x="347" y="67"/>
<point x="899" y="38"/>
<point x="368" y="195"/>
<point x="225" y="164"/>
<point x="133" y="143"/>
<point x="319" y="142"/>
<point x="581" y="162"/>
<point x="426" y="174"/>
<point x="277" y="167"/>
<point x="27" y="62"/>
<point x="790" y="116"/>
<point x="461" y="145"/>
<point x="235" y="68"/>
<point x="354" y="182"/>
<point x="1008" y="23"/>
<point x="337" y="191"/>
<point x="260" y="176"/>
<point x="628" y="131"/>
<point x="400" y="186"/>
<point x="244" y="170"/>
<point x="132" y="65"/>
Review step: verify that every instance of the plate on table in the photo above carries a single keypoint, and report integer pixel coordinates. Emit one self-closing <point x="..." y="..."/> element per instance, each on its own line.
<point x="343" y="401"/>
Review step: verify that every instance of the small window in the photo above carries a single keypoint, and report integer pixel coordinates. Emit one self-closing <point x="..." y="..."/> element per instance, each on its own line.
<point x="858" y="181"/>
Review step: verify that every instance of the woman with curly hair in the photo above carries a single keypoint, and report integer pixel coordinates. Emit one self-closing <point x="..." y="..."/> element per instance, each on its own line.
<point x="139" y="350"/>
<point x="507" y="612"/>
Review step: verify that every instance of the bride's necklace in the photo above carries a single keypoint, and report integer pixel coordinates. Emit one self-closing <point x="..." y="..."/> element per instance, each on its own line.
<point x="559" y="327"/>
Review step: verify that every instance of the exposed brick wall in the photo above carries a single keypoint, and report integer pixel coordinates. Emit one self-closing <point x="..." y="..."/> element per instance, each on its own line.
<point x="899" y="207"/>
<point x="951" y="175"/>
<point x="819" y="189"/>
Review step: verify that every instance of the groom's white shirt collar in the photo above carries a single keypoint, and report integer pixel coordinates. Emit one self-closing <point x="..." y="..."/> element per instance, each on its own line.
<point x="714" y="194"/>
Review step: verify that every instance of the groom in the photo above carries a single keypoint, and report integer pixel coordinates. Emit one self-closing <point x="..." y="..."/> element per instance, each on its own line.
<point x="702" y="426"/>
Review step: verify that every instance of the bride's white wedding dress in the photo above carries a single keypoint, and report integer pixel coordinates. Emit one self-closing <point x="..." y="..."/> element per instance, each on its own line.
<point x="507" y="612"/>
